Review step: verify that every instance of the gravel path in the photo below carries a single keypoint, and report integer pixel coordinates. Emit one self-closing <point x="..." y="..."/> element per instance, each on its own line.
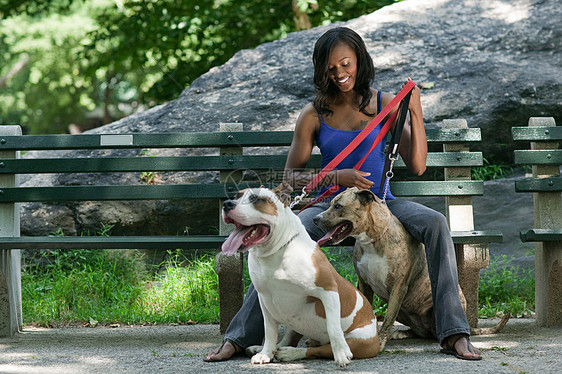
<point x="521" y="347"/>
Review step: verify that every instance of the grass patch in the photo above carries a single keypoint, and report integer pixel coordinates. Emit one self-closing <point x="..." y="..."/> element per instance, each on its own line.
<point x="69" y="287"/>
<point x="491" y="171"/>
<point x="61" y="288"/>
<point x="505" y="289"/>
<point x="186" y="291"/>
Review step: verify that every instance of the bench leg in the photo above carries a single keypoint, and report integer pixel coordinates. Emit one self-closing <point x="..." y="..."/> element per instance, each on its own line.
<point x="10" y="260"/>
<point x="548" y="255"/>
<point x="548" y="284"/>
<point x="10" y="293"/>
<point x="230" y="270"/>
<point x="470" y="260"/>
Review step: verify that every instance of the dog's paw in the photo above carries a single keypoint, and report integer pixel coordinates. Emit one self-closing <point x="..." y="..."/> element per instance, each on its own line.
<point x="290" y="354"/>
<point x="402" y="334"/>
<point x="342" y="360"/>
<point x="253" y="349"/>
<point x="312" y="343"/>
<point x="261" y="358"/>
<point x="343" y="356"/>
<point x="383" y="343"/>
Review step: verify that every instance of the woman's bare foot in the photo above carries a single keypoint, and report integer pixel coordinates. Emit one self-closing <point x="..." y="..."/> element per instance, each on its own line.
<point x="225" y="352"/>
<point x="460" y="346"/>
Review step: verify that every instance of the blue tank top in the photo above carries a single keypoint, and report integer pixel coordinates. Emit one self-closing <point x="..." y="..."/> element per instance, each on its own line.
<point x="332" y="141"/>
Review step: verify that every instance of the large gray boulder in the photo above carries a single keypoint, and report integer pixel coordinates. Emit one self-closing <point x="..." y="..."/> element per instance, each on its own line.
<point x="495" y="63"/>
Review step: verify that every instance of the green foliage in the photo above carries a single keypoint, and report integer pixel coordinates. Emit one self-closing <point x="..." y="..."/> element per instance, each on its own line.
<point x="186" y="291"/>
<point x="93" y="61"/>
<point x="33" y="7"/>
<point x="491" y="171"/>
<point x="50" y="91"/>
<point x="80" y="286"/>
<point x="506" y="289"/>
<point x="175" y="42"/>
<point x="60" y="287"/>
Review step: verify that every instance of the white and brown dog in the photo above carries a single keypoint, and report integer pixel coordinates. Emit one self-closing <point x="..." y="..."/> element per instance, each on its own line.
<point x="296" y="284"/>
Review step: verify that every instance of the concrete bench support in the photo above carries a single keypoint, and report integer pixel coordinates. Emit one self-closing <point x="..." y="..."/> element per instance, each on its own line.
<point x="548" y="255"/>
<point x="230" y="269"/>
<point x="471" y="258"/>
<point x="10" y="259"/>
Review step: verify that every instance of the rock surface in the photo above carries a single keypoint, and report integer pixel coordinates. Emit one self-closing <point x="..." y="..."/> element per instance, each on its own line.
<point x="495" y="63"/>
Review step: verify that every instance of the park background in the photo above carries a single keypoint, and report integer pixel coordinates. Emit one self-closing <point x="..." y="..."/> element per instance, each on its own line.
<point x="163" y="66"/>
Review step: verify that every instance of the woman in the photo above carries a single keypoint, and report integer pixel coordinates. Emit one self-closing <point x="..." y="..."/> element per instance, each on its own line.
<point x="344" y="104"/>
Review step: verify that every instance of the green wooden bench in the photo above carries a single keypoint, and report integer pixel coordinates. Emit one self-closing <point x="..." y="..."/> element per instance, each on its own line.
<point x="457" y="189"/>
<point x="545" y="156"/>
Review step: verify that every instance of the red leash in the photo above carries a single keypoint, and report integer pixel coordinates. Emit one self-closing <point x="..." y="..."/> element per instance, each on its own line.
<point x="354" y="143"/>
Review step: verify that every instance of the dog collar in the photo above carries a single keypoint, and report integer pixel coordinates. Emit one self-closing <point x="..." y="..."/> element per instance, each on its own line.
<point x="289" y="241"/>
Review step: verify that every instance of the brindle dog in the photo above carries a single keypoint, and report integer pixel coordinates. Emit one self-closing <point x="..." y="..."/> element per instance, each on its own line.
<point x="389" y="262"/>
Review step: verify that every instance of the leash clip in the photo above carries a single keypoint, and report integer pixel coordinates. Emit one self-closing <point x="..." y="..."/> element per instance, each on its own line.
<point x="389" y="174"/>
<point x="299" y="198"/>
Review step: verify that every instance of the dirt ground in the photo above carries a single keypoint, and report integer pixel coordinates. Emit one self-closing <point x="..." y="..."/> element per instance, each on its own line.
<point x="521" y="347"/>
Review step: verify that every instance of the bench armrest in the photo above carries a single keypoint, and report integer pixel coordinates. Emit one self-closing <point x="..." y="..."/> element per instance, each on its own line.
<point x="541" y="235"/>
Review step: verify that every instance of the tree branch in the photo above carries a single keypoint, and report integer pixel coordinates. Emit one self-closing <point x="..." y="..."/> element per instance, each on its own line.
<point x="22" y="62"/>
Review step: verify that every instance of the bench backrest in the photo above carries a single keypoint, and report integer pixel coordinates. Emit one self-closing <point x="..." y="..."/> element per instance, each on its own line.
<point x="545" y="157"/>
<point x="141" y="162"/>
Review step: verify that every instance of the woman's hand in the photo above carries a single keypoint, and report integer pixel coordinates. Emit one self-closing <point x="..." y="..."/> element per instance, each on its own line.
<point x="415" y="100"/>
<point x="350" y="178"/>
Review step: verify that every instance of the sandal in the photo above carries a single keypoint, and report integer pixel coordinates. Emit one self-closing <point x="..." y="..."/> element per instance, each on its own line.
<point x="237" y="351"/>
<point x="450" y="349"/>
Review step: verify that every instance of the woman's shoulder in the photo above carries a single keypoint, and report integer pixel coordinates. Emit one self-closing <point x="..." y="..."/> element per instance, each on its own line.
<point x="309" y="113"/>
<point x="373" y="104"/>
<point x="386" y="97"/>
<point x="309" y="108"/>
<point x="309" y="118"/>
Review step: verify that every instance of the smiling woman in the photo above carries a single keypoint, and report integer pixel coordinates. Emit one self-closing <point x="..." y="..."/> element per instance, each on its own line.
<point x="342" y="67"/>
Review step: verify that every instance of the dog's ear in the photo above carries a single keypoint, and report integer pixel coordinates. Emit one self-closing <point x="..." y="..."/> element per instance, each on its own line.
<point x="283" y="192"/>
<point x="366" y="196"/>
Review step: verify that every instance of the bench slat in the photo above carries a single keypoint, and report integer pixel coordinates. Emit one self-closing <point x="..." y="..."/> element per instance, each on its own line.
<point x="198" y="163"/>
<point x="541" y="235"/>
<point x="112" y="242"/>
<point x="192" y="140"/>
<point x="139" y="164"/>
<point x="477" y="237"/>
<point x="172" y="140"/>
<point x="213" y="190"/>
<point x="538" y="157"/>
<point x="437" y="188"/>
<point x="175" y="242"/>
<point x="537" y="133"/>
<point x="107" y="193"/>
<point x="552" y="184"/>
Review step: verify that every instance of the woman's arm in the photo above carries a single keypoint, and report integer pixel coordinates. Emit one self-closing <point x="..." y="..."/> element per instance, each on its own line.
<point x="301" y="148"/>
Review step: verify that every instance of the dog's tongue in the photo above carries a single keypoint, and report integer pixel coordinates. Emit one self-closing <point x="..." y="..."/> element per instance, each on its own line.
<point x="328" y="235"/>
<point x="244" y="236"/>
<point x="234" y="240"/>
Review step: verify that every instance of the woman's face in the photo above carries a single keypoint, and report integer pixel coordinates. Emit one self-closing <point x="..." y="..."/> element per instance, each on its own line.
<point x="342" y="67"/>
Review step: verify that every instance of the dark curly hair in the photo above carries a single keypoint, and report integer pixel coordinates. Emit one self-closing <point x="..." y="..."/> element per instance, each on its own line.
<point x="326" y="90"/>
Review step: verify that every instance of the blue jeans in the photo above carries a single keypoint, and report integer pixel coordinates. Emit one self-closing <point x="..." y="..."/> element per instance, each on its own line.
<point x="424" y="224"/>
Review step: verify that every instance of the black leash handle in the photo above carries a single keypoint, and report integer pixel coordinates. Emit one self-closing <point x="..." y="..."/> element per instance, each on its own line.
<point x="394" y="145"/>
